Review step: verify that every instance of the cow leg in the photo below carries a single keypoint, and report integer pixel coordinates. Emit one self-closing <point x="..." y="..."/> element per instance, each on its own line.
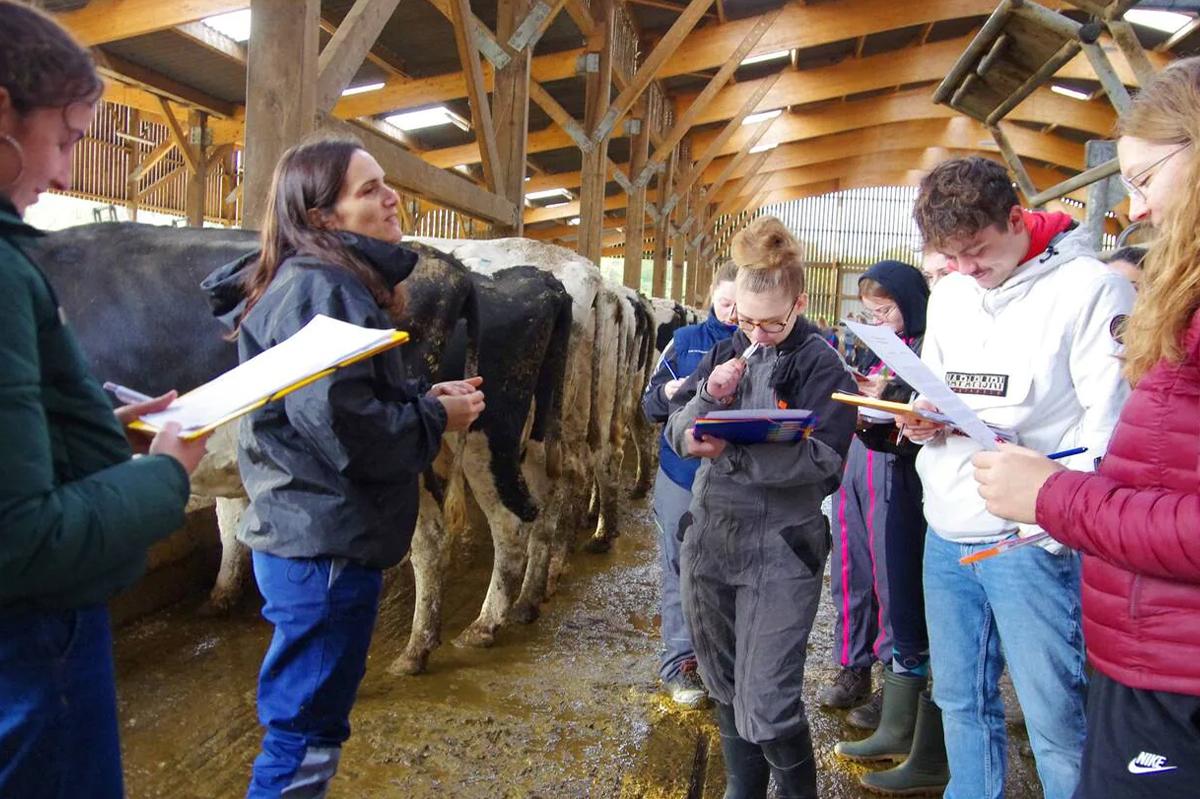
<point x="607" y="502"/>
<point x="646" y="446"/>
<point x="436" y="528"/>
<point x="537" y="563"/>
<point x="430" y="549"/>
<point x="508" y="544"/>
<point x="235" y="559"/>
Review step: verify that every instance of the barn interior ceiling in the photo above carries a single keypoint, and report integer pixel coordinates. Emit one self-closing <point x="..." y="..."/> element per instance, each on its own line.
<point x="849" y="86"/>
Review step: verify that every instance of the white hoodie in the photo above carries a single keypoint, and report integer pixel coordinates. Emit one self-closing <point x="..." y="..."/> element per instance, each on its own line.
<point x="1036" y="354"/>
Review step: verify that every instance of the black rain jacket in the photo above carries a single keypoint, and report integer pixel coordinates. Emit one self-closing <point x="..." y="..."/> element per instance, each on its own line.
<point x="332" y="470"/>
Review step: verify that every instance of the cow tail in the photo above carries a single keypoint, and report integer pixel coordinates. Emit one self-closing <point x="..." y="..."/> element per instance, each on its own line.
<point x="469" y="312"/>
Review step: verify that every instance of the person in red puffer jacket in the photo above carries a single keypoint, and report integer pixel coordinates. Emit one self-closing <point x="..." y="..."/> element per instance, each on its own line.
<point x="1137" y="518"/>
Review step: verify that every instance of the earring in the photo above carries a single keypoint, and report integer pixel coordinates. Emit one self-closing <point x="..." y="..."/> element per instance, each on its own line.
<point x="16" y="145"/>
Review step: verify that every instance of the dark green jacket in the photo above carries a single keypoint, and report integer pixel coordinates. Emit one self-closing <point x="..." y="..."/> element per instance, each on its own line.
<point x="76" y="513"/>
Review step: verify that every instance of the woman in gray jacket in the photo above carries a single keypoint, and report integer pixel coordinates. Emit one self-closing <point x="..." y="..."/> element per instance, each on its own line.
<point x="754" y="555"/>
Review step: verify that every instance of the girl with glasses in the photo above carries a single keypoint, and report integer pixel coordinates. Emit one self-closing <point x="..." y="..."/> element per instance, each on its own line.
<point x="754" y="555"/>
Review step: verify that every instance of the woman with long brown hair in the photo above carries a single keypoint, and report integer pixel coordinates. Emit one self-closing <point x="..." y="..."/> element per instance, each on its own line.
<point x="77" y="513"/>
<point x="1137" y="518"/>
<point x="331" y="471"/>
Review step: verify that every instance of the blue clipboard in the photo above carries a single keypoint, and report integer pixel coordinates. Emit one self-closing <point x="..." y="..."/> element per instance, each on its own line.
<point x="760" y="426"/>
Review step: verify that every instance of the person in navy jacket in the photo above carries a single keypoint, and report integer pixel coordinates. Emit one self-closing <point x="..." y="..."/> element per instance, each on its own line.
<point x="673" y="483"/>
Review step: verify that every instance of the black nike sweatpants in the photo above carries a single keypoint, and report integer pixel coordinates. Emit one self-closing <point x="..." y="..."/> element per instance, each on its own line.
<point x="1140" y="744"/>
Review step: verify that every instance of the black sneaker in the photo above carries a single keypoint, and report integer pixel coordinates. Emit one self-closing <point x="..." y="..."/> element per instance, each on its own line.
<point x="685" y="688"/>
<point x="866" y="717"/>
<point x="849" y="688"/>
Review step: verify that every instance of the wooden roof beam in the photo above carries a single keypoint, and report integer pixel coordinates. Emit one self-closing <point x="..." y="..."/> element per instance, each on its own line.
<point x="179" y="137"/>
<point x="481" y="112"/>
<point x="114" y="66"/>
<point x="687" y="119"/>
<point x="650" y="67"/>
<point x="102" y="21"/>
<point x="351" y="42"/>
<point x="213" y="40"/>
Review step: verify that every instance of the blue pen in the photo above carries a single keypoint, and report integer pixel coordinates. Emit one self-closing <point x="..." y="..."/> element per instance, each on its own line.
<point x="1066" y="453"/>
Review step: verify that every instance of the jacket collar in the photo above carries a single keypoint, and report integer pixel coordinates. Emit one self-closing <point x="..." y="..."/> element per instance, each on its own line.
<point x="393" y="262"/>
<point x="11" y="224"/>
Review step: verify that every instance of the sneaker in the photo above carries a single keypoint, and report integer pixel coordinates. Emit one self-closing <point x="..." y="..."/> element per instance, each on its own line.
<point x="866" y="717"/>
<point x="849" y="688"/>
<point x="685" y="688"/>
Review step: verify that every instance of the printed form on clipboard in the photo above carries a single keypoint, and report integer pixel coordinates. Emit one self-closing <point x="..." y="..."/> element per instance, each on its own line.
<point x="315" y="351"/>
<point x="904" y="362"/>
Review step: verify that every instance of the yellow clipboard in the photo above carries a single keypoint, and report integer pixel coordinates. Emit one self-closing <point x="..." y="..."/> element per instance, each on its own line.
<point x="398" y="338"/>
<point x="871" y="402"/>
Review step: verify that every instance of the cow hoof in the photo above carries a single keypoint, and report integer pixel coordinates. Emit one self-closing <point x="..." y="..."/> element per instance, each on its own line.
<point x="476" y="636"/>
<point x="409" y="665"/>
<point x="597" y="546"/>
<point x="525" y="613"/>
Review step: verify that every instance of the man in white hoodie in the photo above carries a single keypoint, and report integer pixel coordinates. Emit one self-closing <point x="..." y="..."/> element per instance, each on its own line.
<point x="1025" y="329"/>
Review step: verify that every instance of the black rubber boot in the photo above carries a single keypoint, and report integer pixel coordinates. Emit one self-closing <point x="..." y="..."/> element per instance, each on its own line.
<point x="746" y="770"/>
<point x="793" y="766"/>
<point x="893" y="737"/>
<point x="866" y="716"/>
<point x="926" y="771"/>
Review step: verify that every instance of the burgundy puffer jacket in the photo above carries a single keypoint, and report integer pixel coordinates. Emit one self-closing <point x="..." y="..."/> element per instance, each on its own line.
<point x="1137" y="521"/>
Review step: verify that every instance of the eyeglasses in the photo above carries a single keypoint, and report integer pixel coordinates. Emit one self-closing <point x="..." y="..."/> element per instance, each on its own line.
<point x="747" y="326"/>
<point x="882" y="314"/>
<point x="1137" y="184"/>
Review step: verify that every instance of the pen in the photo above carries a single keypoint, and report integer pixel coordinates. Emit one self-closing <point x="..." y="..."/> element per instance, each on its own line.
<point x="1066" y="453"/>
<point x="126" y="395"/>
<point x="1002" y="547"/>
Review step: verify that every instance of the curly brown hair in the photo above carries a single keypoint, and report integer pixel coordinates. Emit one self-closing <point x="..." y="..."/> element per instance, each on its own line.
<point x="961" y="197"/>
<point x="41" y="65"/>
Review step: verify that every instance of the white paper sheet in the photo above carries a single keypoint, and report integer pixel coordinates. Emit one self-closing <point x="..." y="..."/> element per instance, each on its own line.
<point x="320" y="344"/>
<point x="904" y="362"/>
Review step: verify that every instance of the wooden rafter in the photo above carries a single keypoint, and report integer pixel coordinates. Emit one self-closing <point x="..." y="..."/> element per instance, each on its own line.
<point x="481" y="113"/>
<point x="215" y="41"/>
<point x="151" y="158"/>
<point x="687" y="119"/>
<point x="559" y="115"/>
<point x="164" y="180"/>
<point x="121" y="69"/>
<point x="649" y="68"/>
<point x="536" y="23"/>
<point x="485" y="41"/>
<point x="347" y="48"/>
<point x="179" y="137"/>
<point x="713" y="148"/>
<point x="755" y="163"/>
<point x="103" y="21"/>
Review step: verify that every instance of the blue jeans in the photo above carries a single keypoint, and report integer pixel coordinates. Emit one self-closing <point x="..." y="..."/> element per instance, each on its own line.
<point x="58" y="705"/>
<point x="324" y="612"/>
<point x="1023" y="605"/>
<point x="671" y="501"/>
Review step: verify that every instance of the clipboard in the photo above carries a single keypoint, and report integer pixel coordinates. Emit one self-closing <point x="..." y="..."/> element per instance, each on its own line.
<point x="391" y="339"/>
<point x="757" y="426"/>
<point x="886" y="406"/>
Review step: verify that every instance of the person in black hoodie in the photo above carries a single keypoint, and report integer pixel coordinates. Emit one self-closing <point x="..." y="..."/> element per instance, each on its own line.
<point x="909" y="725"/>
<point x="332" y="470"/>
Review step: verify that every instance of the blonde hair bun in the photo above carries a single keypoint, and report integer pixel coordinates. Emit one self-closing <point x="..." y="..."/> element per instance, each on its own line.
<point x="766" y="244"/>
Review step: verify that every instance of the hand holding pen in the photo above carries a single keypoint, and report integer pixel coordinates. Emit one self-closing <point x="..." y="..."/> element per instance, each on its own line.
<point x="1010" y="479"/>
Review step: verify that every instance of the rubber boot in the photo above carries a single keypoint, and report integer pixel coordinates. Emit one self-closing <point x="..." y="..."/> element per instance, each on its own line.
<point x="746" y="770"/>
<point x="793" y="766"/>
<point x="893" y="737"/>
<point x="926" y="771"/>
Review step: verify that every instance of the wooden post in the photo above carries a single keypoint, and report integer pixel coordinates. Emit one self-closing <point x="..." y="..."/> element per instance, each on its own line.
<point x="510" y="111"/>
<point x="196" y="196"/>
<point x="635" y="212"/>
<point x="135" y="161"/>
<point x="662" y="230"/>
<point x="595" y="160"/>
<point x="281" y="96"/>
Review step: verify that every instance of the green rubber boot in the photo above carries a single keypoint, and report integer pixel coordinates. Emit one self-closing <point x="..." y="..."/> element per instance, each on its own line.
<point x="893" y="737"/>
<point x="925" y="772"/>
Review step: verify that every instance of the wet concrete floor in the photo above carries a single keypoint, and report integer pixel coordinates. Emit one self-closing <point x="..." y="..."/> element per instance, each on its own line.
<point x="565" y="707"/>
